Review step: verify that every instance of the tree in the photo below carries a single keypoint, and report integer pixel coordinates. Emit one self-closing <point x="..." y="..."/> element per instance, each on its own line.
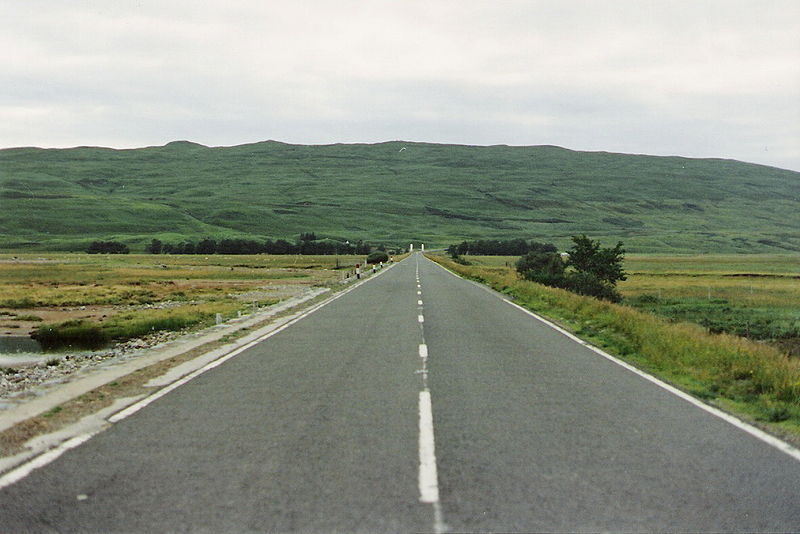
<point x="187" y="248"/>
<point x="107" y="247"/>
<point x="605" y="264"/>
<point x="590" y="270"/>
<point x="543" y="267"/>
<point x="513" y="247"/>
<point x="596" y="270"/>
<point x="154" y="247"/>
<point x="206" y="246"/>
<point x="308" y="236"/>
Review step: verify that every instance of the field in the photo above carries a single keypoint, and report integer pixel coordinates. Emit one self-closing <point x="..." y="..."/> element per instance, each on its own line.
<point x="751" y="378"/>
<point x="90" y="300"/>
<point x="753" y="296"/>
<point x="757" y="297"/>
<point x="436" y="194"/>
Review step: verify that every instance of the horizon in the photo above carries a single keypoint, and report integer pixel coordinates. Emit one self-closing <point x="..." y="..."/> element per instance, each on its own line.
<point x="189" y="141"/>
<point x="712" y="79"/>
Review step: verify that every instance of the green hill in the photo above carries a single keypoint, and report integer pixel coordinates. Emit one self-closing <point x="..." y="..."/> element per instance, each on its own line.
<point x="394" y="193"/>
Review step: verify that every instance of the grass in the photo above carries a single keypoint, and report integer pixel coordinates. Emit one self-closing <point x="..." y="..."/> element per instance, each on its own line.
<point x="83" y="280"/>
<point x="750" y="296"/>
<point x="130" y="296"/>
<point x="129" y="325"/>
<point x="28" y="318"/>
<point x="438" y="194"/>
<point x="749" y="378"/>
<point x="754" y="296"/>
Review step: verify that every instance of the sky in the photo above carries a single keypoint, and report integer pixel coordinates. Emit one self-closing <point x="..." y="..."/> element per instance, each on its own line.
<point x="693" y="78"/>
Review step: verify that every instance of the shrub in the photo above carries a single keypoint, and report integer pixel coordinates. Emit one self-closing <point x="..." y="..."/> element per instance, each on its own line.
<point x="594" y="271"/>
<point x="590" y="285"/>
<point x="542" y="267"/>
<point x="377" y="257"/>
<point x="79" y="334"/>
<point x="107" y="247"/>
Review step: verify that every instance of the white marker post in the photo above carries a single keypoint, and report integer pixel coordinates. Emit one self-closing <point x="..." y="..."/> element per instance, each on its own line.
<point x="411" y="247"/>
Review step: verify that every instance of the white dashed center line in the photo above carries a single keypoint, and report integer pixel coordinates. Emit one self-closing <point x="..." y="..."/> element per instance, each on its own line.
<point x="428" y="477"/>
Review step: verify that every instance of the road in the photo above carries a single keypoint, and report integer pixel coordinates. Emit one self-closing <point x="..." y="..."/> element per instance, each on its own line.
<point x="408" y="406"/>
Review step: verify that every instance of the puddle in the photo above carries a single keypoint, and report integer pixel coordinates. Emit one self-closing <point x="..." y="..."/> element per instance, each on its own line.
<point x="18" y="344"/>
<point x="20" y="350"/>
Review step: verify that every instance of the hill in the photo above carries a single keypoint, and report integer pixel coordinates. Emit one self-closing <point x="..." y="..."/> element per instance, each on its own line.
<point x="395" y="193"/>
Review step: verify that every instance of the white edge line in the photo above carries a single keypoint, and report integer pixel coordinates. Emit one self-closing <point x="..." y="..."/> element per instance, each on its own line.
<point x="735" y="421"/>
<point x="23" y="470"/>
<point x="428" y="478"/>
<point x="20" y="472"/>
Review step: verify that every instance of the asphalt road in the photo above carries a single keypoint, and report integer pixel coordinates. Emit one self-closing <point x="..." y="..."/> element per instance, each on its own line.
<point x="323" y="428"/>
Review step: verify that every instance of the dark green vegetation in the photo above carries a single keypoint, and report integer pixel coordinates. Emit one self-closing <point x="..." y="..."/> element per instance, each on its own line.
<point x="499" y="247"/>
<point x="307" y="245"/>
<point x="107" y="247"/>
<point x="378" y="257"/>
<point x="589" y="270"/>
<point x="88" y="335"/>
<point x="438" y="194"/>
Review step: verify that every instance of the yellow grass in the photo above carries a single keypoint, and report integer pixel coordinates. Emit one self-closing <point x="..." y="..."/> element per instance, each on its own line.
<point x="110" y="290"/>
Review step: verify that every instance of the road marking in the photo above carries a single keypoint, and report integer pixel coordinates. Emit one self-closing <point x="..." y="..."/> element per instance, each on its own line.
<point x="757" y="433"/>
<point x="428" y="478"/>
<point x="15" y="475"/>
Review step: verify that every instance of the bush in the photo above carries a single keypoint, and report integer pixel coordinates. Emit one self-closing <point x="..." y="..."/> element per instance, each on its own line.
<point x="155" y="247"/>
<point x="594" y="271"/>
<point x="377" y="257"/>
<point x="542" y="267"/>
<point x="491" y="247"/>
<point x="590" y="285"/>
<point x="107" y="247"/>
<point x="78" y="334"/>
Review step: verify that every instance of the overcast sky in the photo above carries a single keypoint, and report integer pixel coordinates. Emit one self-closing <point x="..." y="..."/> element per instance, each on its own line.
<point x="693" y="78"/>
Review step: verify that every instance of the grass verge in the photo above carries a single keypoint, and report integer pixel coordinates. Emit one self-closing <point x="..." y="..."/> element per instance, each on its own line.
<point x="753" y="380"/>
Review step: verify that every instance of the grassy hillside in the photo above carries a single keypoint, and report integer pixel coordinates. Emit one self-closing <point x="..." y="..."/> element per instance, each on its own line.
<point x="439" y="194"/>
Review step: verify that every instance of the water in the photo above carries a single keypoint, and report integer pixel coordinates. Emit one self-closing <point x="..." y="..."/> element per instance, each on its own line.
<point x="17" y="344"/>
<point x="19" y="350"/>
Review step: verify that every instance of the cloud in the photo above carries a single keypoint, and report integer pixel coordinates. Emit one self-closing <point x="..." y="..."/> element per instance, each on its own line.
<point x="708" y="78"/>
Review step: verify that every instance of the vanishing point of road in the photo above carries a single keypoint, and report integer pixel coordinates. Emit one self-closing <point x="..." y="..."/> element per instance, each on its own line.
<point x="416" y="402"/>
